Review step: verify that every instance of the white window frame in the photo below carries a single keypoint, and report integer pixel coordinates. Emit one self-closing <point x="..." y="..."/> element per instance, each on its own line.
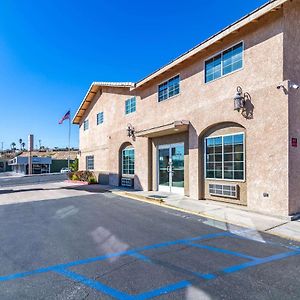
<point x="244" y="161"/>
<point x="123" y="174"/>
<point x="165" y="81"/>
<point x="221" y="52"/>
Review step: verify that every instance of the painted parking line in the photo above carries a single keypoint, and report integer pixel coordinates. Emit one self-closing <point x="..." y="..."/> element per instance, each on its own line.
<point x="260" y="261"/>
<point x="111" y="255"/>
<point x="93" y="284"/>
<point x="63" y="269"/>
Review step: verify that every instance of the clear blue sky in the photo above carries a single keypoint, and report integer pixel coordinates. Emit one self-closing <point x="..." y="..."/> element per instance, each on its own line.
<point x="51" y="51"/>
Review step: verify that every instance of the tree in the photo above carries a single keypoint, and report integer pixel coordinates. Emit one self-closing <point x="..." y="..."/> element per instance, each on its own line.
<point x="23" y="146"/>
<point x="74" y="165"/>
<point x="20" y="143"/>
<point x="13" y="146"/>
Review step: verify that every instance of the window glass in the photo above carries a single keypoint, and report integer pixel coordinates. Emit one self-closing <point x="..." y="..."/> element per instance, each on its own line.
<point x="222" y="64"/>
<point x="128" y="161"/>
<point x="225" y="157"/>
<point x="130" y="105"/>
<point x="100" y="118"/>
<point x="90" y="162"/>
<point x="213" y="68"/>
<point x="86" y="125"/>
<point x="169" y="88"/>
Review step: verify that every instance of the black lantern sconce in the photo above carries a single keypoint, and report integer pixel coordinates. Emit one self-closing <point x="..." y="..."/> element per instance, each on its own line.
<point x="239" y="99"/>
<point x="130" y="130"/>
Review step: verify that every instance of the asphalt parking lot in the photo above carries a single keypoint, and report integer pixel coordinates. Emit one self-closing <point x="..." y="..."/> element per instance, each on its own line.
<point x="63" y="242"/>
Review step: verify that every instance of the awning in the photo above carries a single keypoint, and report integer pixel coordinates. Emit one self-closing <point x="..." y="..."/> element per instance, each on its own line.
<point x="171" y="128"/>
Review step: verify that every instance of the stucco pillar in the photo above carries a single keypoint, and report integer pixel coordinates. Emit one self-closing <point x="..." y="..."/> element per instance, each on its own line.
<point x="142" y="156"/>
<point x="193" y="163"/>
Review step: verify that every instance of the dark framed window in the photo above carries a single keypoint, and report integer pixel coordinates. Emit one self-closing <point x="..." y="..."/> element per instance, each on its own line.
<point x="100" y="118"/>
<point x="89" y="162"/>
<point x="86" y="125"/>
<point x="130" y="105"/>
<point x="128" y="158"/>
<point x="225" y="157"/>
<point x="169" y="88"/>
<point x="224" y="63"/>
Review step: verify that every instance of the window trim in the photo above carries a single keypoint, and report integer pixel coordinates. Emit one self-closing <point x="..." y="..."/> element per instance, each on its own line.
<point x="128" y="175"/>
<point x="244" y="162"/>
<point x="162" y="82"/>
<point x="221" y="52"/>
<point x="86" y="162"/>
<point x="132" y="112"/>
<point x="101" y="112"/>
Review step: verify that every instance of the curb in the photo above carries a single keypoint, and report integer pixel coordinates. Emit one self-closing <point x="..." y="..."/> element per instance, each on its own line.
<point x="160" y="202"/>
<point x="141" y="197"/>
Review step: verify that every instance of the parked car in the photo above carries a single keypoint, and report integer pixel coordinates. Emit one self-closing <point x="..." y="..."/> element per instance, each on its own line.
<point x="65" y="170"/>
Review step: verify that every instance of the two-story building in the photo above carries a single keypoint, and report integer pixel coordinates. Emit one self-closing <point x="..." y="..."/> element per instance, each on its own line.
<point x="220" y="122"/>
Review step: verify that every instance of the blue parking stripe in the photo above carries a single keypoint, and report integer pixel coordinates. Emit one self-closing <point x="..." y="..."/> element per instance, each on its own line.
<point x="164" y="290"/>
<point x="220" y="250"/>
<point x="107" y="256"/>
<point x="260" y="261"/>
<point x="93" y="284"/>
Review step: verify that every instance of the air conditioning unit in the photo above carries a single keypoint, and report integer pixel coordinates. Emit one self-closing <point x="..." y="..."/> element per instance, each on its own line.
<point x="224" y="190"/>
<point x="127" y="182"/>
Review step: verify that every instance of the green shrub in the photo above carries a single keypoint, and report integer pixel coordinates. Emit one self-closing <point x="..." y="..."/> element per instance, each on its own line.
<point x="74" y="165"/>
<point x="75" y="177"/>
<point x="92" y="180"/>
<point x="85" y="176"/>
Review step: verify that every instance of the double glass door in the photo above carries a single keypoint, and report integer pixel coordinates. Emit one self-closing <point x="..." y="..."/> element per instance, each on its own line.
<point x="171" y="168"/>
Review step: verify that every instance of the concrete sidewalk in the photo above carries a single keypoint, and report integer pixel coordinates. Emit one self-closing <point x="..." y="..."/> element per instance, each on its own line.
<point x="223" y="212"/>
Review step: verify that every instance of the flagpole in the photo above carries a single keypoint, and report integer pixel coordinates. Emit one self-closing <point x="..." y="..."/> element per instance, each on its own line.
<point x="69" y="140"/>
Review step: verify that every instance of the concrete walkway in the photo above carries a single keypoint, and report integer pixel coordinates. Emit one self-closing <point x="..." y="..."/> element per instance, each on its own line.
<point x="232" y="214"/>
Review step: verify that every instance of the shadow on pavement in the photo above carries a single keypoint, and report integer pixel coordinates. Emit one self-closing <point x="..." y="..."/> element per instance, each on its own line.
<point x="88" y="188"/>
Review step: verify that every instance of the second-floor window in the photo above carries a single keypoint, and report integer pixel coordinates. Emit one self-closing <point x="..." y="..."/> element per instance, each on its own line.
<point x="100" y="118"/>
<point x="224" y="63"/>
<point x="130" y="105"/>
<point x="169" y="88"/>
<point x="86" y="125"/>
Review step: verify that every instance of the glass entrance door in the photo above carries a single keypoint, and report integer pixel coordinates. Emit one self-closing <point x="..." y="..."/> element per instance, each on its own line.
<point x="171" y="168"/>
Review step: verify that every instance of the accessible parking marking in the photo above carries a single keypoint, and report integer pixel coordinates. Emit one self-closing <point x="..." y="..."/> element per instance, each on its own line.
<point x="195" y="242"/>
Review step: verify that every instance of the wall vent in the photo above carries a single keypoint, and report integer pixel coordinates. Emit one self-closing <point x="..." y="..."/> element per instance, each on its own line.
<point x="126" y="182"/>
<point x="223" y="190"/>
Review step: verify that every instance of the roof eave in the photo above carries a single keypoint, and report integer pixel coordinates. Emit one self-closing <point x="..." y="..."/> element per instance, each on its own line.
<point x="256" y="14"/>
<point x="77" y="118"/>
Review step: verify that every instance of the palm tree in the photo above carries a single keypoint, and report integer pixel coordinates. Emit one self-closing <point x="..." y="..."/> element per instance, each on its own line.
<point x="13" y="146"/>
<point x="23" y="146"/>
<point x="20" y="142"/>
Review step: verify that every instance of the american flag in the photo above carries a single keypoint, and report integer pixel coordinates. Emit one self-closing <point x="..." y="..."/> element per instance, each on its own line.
<point x="65" y="117"/>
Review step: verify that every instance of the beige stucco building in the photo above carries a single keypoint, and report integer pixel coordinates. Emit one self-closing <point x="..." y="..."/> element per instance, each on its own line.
<point x="177" y="130"/>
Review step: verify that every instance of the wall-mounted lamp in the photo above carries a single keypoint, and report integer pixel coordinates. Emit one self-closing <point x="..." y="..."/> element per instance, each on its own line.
<point x="130" y="130"/>
<point x="239" y="99"/>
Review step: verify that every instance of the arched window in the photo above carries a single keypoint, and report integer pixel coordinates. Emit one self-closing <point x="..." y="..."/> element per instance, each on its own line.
<point x="128" y="161"/>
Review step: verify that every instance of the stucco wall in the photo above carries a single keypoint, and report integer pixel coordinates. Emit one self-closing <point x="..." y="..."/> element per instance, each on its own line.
<point x="292" y="73"/>
<point x="205" y="105"/>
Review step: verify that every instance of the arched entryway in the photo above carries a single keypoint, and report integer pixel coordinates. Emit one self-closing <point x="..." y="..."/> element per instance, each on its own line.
<point x="223" y="163"/>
